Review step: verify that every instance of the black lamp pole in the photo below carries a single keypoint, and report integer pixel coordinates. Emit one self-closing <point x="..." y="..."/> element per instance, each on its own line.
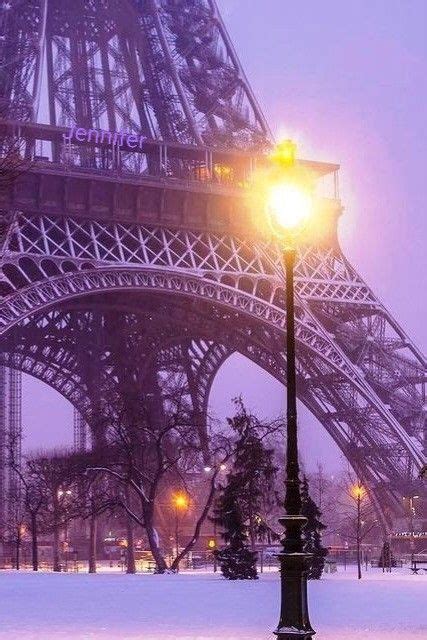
<point x="177" y="534"/>
<point x="294" y="623"/>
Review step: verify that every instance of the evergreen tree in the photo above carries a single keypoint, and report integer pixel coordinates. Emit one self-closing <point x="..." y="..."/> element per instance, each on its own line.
<point x="236" y="560"/>
<point x="386" y="559"/>
<point x="312" y="533"/>
<point x="254" y="471"/>
<point x="248" y="495"/>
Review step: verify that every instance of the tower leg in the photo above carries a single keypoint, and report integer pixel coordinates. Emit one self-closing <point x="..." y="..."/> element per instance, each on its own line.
<point x="80" y="432"/>
<point x="3" y="445"/>
<point x="10" y="443"/>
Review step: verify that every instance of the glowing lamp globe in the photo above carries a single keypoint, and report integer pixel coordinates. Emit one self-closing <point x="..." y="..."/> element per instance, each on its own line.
<point x="358" y="491"/>
<point x="289" y="206"/>
<point x="180" y="501"/>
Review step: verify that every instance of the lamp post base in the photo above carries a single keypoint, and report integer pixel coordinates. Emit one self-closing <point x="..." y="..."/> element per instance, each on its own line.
<point x="294" y="565"/>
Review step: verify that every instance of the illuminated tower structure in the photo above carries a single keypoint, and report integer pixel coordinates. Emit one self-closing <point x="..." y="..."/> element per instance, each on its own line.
<point x="154" y="241"/>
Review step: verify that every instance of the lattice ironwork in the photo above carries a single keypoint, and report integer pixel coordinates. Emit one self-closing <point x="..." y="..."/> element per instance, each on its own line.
<point x="162" y="68"/>
<point x="187" y="295"/>
<point x="332" y="385"/>
<point x="10" y="443"/>
<point x="81" y="432"/>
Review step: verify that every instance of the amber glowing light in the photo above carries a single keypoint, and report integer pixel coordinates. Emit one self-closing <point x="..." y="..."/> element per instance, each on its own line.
<point x="289" y="198"/>
<point x="180" y="501"/>
<point x="284" y="190"/>
<point x="358" y="491"/>
<point x="290" y="205"/>
<point x="284" y="153"/>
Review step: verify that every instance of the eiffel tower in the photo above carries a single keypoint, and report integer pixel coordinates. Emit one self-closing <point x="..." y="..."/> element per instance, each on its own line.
<point x="133" y="220"/>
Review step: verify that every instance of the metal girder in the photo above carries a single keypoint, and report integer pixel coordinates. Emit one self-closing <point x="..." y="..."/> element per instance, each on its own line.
<point x="346" y="409"/>
<point x="199" y="361"/>
<point x="22" y="40"/>
<point x="226" y="267"/>
<point x="81" y="432"/>
<point x="57" y="346"/>
<point x="166" y="69"/>
<point x="10" y="442"/>
<point x="222" y="266"/>
<point x="161" y="68"/>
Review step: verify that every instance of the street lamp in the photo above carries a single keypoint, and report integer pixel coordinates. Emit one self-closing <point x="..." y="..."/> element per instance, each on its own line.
<point x="180" y="502"/>
<point x="289" y="207"/>
<point x="64" y="494"/>
<point x="207" y="469"/>
<point x="411" y="524"/>
<point x="358" y="492"/>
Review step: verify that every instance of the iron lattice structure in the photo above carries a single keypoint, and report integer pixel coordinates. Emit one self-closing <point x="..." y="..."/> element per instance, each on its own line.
<point x="163" y="68"/>
<point x="158" y="245"/>
<point x="80" y="432"/>
<point x="10" y="443"/>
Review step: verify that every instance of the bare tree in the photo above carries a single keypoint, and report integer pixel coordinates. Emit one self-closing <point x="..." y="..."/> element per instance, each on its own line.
<point x="355" y="518"/>
<point x="93" y="497"/>
<point x="30" y="497"/>
<point x="15" y="524"/>
<point x="319" y="485"/>
<point x="149" y="452"/>
<point x="326" y="490"/>
<point x="57" y="472"/>
<point x="98" y="502"/>
<point x="149" y="448"/>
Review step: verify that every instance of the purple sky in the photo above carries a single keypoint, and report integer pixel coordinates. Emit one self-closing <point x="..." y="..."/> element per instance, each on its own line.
<point x="347" y="80"/>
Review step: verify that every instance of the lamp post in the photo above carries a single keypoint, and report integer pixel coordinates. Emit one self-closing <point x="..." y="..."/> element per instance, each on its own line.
<point x="411" y="525"/>
<point x="358" y="492"/>
<point x="289" y="205"/>
<point x="180" y="502"/>
<point x="64" y="496"/>
<point x="208" y="469"/>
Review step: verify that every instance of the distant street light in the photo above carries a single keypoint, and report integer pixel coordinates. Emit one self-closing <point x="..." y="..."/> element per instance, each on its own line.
<point x="222" y="467"/>
<point x="358" y="492"/>
<point x="181" y="502"/>
<point x="62" y="492"/>
<point x="289" y="202"/>
<point x="411" y="524"/>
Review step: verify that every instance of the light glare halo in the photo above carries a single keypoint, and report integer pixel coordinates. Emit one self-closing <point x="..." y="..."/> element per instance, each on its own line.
<point x="289" y="205"/>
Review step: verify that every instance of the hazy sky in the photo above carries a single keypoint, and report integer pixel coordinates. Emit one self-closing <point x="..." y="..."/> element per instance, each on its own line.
<point x="347" y="80"/>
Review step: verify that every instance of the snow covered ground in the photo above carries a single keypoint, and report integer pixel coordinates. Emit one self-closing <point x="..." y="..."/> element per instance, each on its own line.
<point x="71" y="606"/>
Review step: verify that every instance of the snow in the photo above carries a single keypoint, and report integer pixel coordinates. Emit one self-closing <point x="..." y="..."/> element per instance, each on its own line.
<point x="203" y="606"/>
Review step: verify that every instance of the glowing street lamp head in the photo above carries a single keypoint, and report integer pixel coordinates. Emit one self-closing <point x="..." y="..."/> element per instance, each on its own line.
<point x="289" y="197"/>
<point x="284" y="153"/>
<point x="289" y="206"/>
<point x="180" y="501"/>
<point x="358" y="491"/>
